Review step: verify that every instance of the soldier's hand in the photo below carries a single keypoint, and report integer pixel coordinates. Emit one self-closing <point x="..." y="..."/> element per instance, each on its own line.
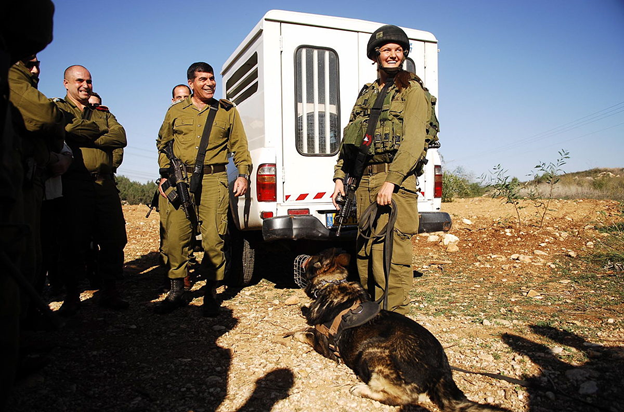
<point x="384" y="197"/>
<point x="240" y="186"/>
<point x="338" y="190"/>
<point x="160" y="185"/>
<point x="59" y="163"/>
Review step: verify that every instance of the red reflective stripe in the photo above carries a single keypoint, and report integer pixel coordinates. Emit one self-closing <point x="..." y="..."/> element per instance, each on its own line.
<point x="287" y="197"/>
<point x="302" y="197"/>
<point x="319" y="195"/>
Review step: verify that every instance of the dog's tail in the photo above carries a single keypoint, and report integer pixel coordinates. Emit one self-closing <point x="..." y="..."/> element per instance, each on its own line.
<point x="449" y="398"/>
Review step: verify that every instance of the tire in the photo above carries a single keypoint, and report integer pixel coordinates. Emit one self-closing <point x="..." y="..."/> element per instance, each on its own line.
<point x="240" y="258"/>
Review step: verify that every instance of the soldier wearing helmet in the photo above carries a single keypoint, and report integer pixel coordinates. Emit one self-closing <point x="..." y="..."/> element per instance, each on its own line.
<point x="391" y="167"/>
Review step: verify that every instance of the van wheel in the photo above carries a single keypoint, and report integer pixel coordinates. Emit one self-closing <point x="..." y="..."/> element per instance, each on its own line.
<point x="240" y="258"/>
<point x="247" y="263"/>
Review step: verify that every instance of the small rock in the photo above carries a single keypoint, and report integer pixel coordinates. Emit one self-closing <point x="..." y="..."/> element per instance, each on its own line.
<point x="486" y="322"/>
<point x="433" y="238"/>
<point x="452" y="248"/>
<point x="467" y="222"/>
<point x="572" y="253"/>
<point x="577" y="375"/>
<point x="448" y="239"/>
<point x="539" y="252"/>
<point x="293" y="300"/>
<point x="486" y="357"/>
<point x="532" y="293"/>
<point x="588" y="388"/>
<point x="590" y="245"/>
<point x="557" y="350"/>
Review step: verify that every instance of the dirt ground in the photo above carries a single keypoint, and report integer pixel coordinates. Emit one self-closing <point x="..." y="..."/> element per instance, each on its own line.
<point x="530" y="322"/>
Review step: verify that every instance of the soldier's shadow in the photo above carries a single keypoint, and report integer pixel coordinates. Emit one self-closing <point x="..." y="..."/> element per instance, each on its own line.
<point x="271" y="388"/>
<point x="596" y="384"/>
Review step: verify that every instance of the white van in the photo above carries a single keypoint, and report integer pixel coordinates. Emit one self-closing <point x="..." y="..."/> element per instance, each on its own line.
<point x="295" y="79"/>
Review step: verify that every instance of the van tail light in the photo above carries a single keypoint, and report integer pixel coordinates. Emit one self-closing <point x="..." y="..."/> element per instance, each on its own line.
<point x="265" y="183"/>
<point x="437" y="182"/>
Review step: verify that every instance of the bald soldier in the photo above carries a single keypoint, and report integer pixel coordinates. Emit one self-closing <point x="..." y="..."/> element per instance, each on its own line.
<point x="93" y="208"/>
<point x="180" y="92"/>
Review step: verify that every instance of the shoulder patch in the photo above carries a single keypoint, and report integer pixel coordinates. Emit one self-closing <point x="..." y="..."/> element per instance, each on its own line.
<point x="58" y="100"/>
<point x="226" y="104"/>
<point x="102" y="109"/>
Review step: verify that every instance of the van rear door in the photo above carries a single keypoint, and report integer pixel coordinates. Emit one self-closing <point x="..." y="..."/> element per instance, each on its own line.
<point x="320" y="84"/>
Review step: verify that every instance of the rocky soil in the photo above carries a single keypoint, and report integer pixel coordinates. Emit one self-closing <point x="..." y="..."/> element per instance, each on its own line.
<point x="520" y="309"/>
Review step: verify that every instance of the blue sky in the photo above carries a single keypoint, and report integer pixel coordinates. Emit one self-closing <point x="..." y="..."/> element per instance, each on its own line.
<point x="519" y="80"/>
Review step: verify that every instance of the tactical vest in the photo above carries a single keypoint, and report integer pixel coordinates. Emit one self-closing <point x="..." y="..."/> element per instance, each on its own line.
<point x="389" y="131"/>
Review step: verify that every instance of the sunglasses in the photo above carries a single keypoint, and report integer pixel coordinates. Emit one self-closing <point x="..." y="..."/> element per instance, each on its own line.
<point x="30" y="65"/>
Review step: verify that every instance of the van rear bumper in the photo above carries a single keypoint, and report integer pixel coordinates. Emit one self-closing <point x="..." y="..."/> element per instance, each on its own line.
<point x="310" y="228"/>
<point x="302" y="227"/>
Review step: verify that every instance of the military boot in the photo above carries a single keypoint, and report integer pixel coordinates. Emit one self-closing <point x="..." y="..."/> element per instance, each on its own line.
<point x="71" y="304"/>
<point x="210" y="307"/>
<point x="174" y="300"/>
<point x="109" y="297"/>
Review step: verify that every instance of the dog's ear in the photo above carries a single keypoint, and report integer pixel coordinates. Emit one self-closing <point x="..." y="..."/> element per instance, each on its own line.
<point x="343" y="259"/>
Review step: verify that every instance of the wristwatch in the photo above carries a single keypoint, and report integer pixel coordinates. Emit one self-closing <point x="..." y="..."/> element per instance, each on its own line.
<point x="243" y="175"/>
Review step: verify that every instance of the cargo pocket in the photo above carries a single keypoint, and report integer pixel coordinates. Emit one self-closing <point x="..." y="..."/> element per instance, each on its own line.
<point x="224" y="203"/>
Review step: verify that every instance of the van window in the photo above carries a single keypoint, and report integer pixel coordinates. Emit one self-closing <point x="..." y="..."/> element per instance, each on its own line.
<point x="317" y="101"/>
<point x="244" y="81"/>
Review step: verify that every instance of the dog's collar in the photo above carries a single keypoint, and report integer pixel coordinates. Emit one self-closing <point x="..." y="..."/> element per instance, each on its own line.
<point x="324" y="283"/>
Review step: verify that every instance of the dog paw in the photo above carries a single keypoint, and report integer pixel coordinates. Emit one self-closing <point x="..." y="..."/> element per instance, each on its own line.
<point x="361" y="389"/>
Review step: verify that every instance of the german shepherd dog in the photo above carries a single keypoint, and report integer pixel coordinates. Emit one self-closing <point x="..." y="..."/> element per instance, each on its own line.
<point x="397" y="359"/>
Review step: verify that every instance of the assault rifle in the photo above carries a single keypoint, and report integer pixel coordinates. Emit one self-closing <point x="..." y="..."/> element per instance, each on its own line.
<point x="154" y="203"/>
<point x="178" y="173"/>
<point x="346" y="202"/>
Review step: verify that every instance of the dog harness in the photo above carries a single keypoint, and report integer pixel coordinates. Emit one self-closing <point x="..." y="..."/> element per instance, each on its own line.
<point x="356" y="315"/>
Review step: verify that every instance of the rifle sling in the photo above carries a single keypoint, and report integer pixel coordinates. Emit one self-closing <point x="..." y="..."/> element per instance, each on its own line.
<point x="203" y="144"/>
<point x="363" y="150"/>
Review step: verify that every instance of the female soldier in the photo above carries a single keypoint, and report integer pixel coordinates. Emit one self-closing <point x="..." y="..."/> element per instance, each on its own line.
<point x="396" y="143"/>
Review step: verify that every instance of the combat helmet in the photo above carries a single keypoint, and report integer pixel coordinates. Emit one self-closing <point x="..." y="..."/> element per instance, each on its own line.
<point x="386" y="34"/>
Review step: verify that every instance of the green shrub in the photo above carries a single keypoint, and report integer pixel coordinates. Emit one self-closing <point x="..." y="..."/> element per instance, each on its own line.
<point x="135" y="193"/>
<point x="457" y="184"/>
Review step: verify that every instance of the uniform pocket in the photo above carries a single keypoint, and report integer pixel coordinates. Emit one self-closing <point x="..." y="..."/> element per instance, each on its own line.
<point x="184" y="125"/>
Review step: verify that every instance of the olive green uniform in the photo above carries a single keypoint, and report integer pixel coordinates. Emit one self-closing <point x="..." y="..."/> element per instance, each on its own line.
<point x="41" y="131"/>
<point x="184" y="124"/>
<point x="25" y="29"/>
<point x="399" y="143"/>
<point x="93" y="208"/>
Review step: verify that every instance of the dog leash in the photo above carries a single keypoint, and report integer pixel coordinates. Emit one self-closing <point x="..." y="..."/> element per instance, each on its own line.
<point x="366" y="225"/>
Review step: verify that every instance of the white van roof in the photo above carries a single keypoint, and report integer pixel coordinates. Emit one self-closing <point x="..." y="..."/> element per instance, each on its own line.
<point x="318" y="20"/>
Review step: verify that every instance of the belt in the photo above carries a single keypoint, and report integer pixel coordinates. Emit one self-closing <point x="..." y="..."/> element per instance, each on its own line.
<point x="208" y="169"/>
<point x="377" y="168"/>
